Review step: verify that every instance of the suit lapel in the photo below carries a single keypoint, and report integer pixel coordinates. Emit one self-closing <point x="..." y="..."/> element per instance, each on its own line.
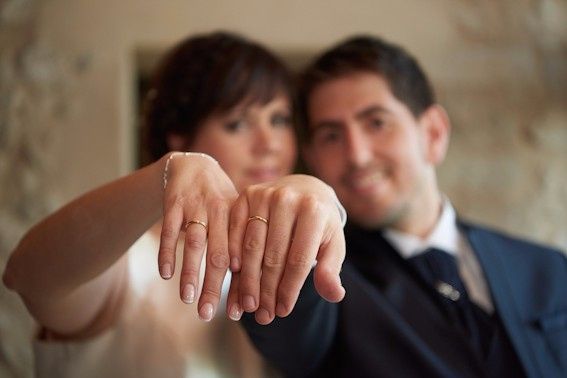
<point x="411" y="298"/>
<point x="495" y="271"/>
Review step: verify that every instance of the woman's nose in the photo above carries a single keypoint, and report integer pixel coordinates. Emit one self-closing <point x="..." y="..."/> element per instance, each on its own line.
<point x="266" y="139"/>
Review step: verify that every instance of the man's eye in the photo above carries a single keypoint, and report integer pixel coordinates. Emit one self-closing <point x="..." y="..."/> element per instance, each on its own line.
<point x="282" y="120"/>
<point x="327" y="137"/>
<point x="376" y="123"/>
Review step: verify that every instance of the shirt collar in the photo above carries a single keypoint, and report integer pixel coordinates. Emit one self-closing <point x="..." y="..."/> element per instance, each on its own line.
<point x="445" y="235"/>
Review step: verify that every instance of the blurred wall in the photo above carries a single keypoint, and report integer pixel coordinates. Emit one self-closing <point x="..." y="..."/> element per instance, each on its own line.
<point x="68" y="100"/>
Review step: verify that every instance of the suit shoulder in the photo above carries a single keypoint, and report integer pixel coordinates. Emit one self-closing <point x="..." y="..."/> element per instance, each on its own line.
<point x="514" y="244"/>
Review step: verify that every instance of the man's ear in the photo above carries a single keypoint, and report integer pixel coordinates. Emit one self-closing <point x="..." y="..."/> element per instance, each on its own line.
<point x="176" y="142"/>
<point x="437" y="129"/>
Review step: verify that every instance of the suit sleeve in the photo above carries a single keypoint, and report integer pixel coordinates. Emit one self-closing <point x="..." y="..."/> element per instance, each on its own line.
<point x="298" y="343"/>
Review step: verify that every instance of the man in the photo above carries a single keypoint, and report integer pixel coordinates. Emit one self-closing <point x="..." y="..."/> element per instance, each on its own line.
<point x="427" y="294"/>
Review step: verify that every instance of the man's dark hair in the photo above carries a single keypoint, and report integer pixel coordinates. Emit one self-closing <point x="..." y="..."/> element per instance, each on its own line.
<point x="406" y="79"/>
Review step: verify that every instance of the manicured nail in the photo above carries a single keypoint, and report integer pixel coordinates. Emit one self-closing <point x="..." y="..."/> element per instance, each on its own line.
<point x="234" y="264"/>
<point x="249" y="303"/>
<point x="166" y="271"/>
<point x="263" y="316"/>
<point x="206" y="312"/>
<point x="188" y="295"/>
<point x="235" y="312"/>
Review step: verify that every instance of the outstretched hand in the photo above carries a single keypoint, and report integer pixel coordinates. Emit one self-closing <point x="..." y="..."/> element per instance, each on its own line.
<point x="197" y="199"/>
<point x="278" y="232"/>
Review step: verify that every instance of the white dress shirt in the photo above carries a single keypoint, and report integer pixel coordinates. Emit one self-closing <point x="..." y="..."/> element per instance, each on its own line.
<point x="447" y="237"/>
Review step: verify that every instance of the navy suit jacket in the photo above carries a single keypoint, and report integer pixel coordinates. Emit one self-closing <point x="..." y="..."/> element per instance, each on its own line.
<point x="389" y="324"/>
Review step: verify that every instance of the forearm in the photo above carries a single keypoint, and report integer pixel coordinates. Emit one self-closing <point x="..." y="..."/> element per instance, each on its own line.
<point x="298" y="343"/>
<point x="85" y="238"/>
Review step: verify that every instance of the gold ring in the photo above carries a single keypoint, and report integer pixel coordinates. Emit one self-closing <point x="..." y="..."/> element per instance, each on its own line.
<point x="189" y="222"/>
<point x="257" y="217"/>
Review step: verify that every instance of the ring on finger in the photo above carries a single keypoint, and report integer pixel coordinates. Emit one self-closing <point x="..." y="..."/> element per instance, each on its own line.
<point x="190" y="222"/>
<point x="257" y="217"/>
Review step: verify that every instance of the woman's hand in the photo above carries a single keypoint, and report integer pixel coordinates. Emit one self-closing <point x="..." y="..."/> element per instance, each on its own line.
<point x="278" y="232"/>
<point x="197" y="199"/>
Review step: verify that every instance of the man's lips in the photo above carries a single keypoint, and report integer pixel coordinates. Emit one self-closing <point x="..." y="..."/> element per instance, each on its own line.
<point x="365" y="183"/>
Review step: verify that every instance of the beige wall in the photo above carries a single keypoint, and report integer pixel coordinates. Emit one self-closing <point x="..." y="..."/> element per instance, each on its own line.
<point x="496" y="65"/>
<point x="68" y="95"/>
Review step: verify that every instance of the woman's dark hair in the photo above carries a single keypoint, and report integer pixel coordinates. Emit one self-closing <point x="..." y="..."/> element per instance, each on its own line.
<point x="206" y="75"/>
<point x="402" y="72"/>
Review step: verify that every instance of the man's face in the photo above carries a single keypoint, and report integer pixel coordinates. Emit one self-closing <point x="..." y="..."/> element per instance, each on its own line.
<point x="371" y="149"/>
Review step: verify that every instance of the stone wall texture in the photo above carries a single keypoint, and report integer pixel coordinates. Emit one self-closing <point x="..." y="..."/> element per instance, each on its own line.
<point x="33" y="96"/>
<point x="67" y="101"/>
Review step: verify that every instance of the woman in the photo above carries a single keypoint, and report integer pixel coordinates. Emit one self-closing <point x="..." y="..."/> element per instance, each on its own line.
<point x="87" y="272"/>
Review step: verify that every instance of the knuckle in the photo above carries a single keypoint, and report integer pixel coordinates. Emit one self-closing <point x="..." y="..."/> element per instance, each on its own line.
<point x="252" y="245"/>
<point x="234" y="224"/>
<point x="285" y="196"/>
<point x="298" y="261"/>
<point x="248" y="282"/>
<point x="250" y="191"/>
<point x="311" y="204"/>
<point x="194" y="242"/>
<point x="189" y="275"/>
<point x="247" y="289"/>
<point x="210" y="292"/>
<point x="266" y="194"/>
<point x="274" y="259"/>
<point x="267" y="292"/>
<point x="166" y="253"/>
<point x="219" y="260"/>
<point x="168" y="232"/>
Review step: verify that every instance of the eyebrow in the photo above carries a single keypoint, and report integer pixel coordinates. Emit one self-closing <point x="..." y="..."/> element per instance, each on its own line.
<point x="370" y="110"/>
<point x="364" y="113"/>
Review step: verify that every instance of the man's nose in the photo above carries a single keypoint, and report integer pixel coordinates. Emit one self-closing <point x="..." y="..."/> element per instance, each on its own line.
<point x="358" y="149"/>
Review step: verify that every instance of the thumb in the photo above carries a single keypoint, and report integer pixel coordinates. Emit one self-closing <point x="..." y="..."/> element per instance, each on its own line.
<point x="329" y="262"/>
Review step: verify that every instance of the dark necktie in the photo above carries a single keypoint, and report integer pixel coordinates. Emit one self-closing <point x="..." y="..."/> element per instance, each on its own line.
<point x="439" y="269"/>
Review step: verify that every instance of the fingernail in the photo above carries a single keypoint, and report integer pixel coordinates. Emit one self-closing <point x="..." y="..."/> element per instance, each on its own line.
<point x="263" y="316"/>
<point x="206" y="312"/>
<point x="249" y="303"/>
<point x="165" y="271"/>
<point x="188" y="294"/>
<point x="235" y="312"/>
<point x="234" y="264"/>
<point x="281" y="310"/>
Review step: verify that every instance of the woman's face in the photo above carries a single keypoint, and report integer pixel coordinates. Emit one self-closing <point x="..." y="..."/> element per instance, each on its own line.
<point x="253" y="144"/>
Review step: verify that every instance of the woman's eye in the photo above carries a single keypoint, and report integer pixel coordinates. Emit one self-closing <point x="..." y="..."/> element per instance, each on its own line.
<point x="236" y="125"/>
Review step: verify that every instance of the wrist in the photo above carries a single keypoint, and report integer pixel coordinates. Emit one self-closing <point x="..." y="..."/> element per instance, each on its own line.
<point x="169" y="157"/>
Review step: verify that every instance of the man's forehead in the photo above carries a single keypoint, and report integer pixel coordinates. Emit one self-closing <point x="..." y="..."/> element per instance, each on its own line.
<point x="348" y="95"/>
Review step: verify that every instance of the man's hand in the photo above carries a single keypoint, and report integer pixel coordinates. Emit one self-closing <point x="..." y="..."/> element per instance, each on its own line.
<point x="278" y="232"/>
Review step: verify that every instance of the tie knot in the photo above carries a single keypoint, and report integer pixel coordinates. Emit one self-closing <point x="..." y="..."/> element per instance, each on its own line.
<point x="440" y="270"/>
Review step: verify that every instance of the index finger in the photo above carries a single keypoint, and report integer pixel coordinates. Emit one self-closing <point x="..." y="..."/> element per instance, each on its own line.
<point x="172" y="219"/>
<point x="304" y="247"/>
